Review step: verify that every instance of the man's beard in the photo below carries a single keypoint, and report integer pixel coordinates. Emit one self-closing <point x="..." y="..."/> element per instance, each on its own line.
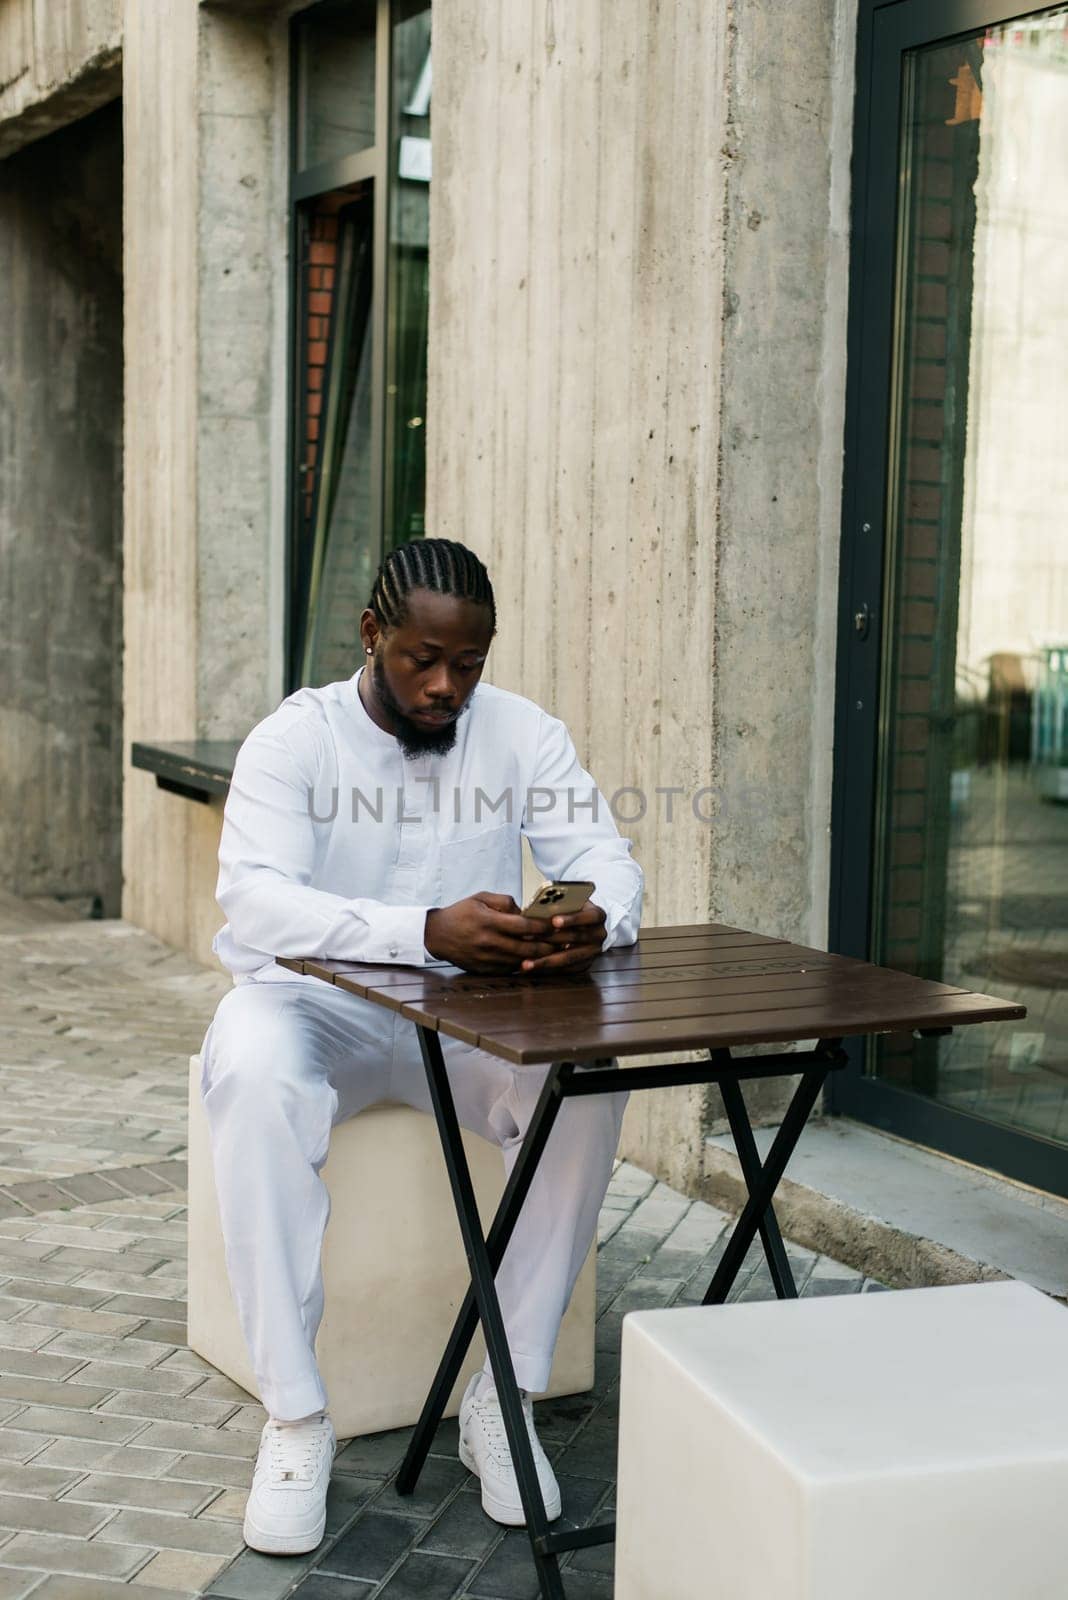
<point x="413" y="738"/>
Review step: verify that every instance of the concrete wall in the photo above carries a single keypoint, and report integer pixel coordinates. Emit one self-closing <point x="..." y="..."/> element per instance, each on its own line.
<point x="205" y="422"/>
<point x="163" y="836"/>
<point x="60" y="514"/>
<point x="636" y="362"/>
<point x="59" y="60"/>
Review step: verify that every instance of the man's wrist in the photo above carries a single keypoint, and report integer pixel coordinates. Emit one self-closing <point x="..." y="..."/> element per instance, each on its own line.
<point x="427" y="932"/>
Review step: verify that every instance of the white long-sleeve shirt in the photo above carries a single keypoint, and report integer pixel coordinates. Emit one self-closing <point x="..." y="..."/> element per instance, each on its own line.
<point x="336" y="845"/>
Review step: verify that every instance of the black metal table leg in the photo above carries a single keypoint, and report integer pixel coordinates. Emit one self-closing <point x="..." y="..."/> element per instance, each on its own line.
<point x="489" y="1312"/>
<point x="749" y="1160"/>
<point x="501" y="1230"/>
<point x="785" y="1142"/>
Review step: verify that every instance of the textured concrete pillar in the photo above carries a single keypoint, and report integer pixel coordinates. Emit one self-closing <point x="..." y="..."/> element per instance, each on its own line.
<point x="636" y="356"/>
<point x="60" y="514"/>
<point x="205" y="224"/>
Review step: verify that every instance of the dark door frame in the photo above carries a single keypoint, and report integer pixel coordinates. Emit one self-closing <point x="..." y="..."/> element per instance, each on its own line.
<point x="886" y="29"/>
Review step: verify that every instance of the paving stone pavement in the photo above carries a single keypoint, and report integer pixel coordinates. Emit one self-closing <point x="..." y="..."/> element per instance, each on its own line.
<point x="125" y="1458"/>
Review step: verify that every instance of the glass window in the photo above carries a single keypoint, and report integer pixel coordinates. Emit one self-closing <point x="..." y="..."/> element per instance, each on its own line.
<point x="361" y="184"/>
<point x="409" y="287"/>
<point x="973" y="854"/>
<point x="335" y="83"/>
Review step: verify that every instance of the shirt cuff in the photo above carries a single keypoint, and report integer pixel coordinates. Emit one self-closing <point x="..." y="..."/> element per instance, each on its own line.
<point x="398" y="936"/>
<point x="613" y="916"/>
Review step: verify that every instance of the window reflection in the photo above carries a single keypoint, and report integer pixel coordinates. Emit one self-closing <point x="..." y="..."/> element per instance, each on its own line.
<point x="974" y="834"/>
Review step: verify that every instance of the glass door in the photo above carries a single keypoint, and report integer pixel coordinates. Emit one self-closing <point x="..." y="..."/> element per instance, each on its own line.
<point x="953" y="737"/>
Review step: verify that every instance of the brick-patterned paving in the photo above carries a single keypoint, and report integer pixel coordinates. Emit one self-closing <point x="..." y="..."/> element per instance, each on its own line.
<point x="124" y="1458"/>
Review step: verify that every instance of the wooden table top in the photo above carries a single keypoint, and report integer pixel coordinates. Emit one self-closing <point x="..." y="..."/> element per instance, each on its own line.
<point x="676" y="989"/>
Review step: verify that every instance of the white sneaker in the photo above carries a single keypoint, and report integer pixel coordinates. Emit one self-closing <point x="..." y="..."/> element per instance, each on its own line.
<point x="484" y="1451"/>
<point x="286" y="1510"/>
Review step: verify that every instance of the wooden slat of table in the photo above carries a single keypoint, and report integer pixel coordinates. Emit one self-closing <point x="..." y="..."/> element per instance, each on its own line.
<point x="499" y="1016"/>
<point x="591" y="995"/>
<point x="538" y="1044"/>
<point x="633" y="963"/>
<point x="677" y="988"/>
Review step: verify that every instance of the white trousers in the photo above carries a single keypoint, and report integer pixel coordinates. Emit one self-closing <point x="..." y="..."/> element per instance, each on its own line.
<point x="284" y="1062"/>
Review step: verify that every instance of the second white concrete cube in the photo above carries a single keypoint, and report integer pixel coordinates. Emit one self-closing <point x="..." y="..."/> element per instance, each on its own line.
<point x="895" y="1446"/>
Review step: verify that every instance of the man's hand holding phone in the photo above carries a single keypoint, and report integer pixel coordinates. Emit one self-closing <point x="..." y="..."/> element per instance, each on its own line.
<point x="577" y="938"/>
<point x="488" y="933"/>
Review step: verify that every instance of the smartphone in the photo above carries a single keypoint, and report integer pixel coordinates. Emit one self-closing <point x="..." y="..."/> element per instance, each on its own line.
<point x="559" y="899"/>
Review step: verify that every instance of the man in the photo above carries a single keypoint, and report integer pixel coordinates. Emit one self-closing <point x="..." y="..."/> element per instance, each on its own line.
<point x="380" y="819"/>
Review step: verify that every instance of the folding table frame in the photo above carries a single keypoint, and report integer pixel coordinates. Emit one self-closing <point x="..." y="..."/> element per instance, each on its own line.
<point x="485" y="1253"/>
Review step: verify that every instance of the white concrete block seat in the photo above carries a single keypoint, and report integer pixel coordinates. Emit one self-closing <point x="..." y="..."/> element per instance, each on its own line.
<point x="393" y="1266"/>
<point x="895" y="1446"/>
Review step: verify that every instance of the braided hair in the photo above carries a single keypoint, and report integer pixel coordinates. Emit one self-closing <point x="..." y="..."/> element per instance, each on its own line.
<point x="440" y="565"/>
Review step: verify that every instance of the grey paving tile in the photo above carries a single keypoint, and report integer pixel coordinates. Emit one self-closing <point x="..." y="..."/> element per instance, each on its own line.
<point x="162" y="1532"/>
<point x="56" y="1317"/>
<point x="49" y="1516"/>
<point x="427" y="1577"/>
<point x="186" y="1436"/>
<point x="34" y="1363"/>
<point x="257" y="1577"/>
<point x="161" y="1331"/>
<point x="220" y="1388"/>
<point x="37" y="1479"/>
<point x="75" y="1255"/>
<point x="598" y="1558"/>
<point x="37" y="1271"/>
<point x="223" y="1471"/>
<point x="49" y="1553"/>
<point x="187" y="1360"/>
<point x="439" y="1479"/>
<point x="583" y="1585"/>
<point x="376" y="1456"/>
<point x="581" y="1497"/>
<point x="90" y="1187"/>
<point x="246" y="1418"/>
<point x="557" y="1421"/>
<point x="824" y="1286"/>
<point x="47" y="1392"/>
<point x="173" y="1173"/>
<point x="89" y="1455"/>
<point x="509" y="1573"/>
<point x="344" y="1499"/>
<point x="317" y="1586"/>
<point x="63" y="1294"/>
<point x="166" y="1408"/>
<point x="105" y="1347"/>
<point x="143" y="1305"/>
<point x="61" y="1588"/>
<point x="139" y="1180"/>
<point x="177" y="1569"/>
<point x="15" y="1584"/>
<point x="148" y="1380"/>
<point x="117" y="1282"/>
<point x="37" y="1196"/>
<point x="463" y="1529"/>
<point x="372" y="1545"/>
<point x="23" y="1336"/>
<point x="68" y="1424"/>
<point x="147" y="1494"/>
<point x="15" y="1445"/>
